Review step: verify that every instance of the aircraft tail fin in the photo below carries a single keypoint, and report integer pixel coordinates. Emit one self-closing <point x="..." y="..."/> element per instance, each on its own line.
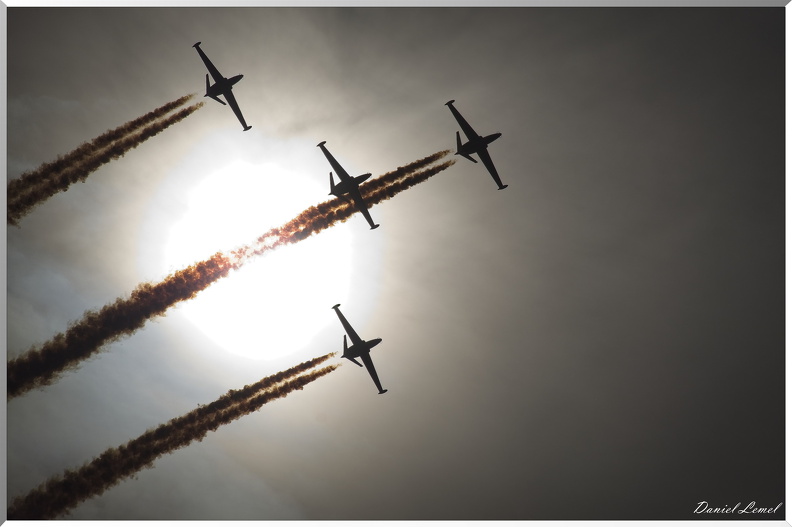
<point x="346" y="348"/>
<point x="459" y="148"/>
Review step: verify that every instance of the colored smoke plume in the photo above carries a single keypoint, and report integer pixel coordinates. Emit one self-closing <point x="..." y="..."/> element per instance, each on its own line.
<point x="43" y="184"/>
<point x="45" y="170"/>
<point x="61" y="493"/>
<point x="41" y="366"/>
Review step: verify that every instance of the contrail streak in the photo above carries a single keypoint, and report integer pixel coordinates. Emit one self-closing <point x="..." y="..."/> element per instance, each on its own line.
<point x="38" y="367"/>
<point x="320" y="217"/>
<point x="48" y="183"/>
<point x="42" y="366"/>
<point x="62" y="493"/>
<point x="88" y="148"/>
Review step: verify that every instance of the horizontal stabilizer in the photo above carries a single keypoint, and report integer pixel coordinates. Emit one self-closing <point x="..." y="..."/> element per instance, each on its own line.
<point x="196" y="44"/>
<point x="356" y="362"/>
<point x="503" y="187"/>
<point x="320" y="144"/>
<point x="449" y="103"/>
<point x="383" y="391"/>
<point x="246" y="128"/>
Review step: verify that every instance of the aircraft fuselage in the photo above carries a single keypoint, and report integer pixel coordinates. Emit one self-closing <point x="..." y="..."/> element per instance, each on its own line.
<point x="223" y="86"/>
<point x="345" y="186"/>
<point x="348" y="185"/>
<point x="358" y="349"/>
<point x="473" y="146"/>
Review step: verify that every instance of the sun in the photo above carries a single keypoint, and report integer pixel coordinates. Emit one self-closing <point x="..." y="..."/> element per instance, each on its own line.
<point x="276" y="303"/>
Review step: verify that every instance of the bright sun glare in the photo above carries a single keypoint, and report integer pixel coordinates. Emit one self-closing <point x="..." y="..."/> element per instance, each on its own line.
<point x="274" y="304"/>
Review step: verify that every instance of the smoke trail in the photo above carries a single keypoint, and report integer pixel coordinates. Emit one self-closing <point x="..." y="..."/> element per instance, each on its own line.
<point x="123" y="317"/>
<point x="39" y="367"/>
<point x="60" y="494"/>
<point x="319" y="217"/>
<point x="231" y="398"/>
<point x="86" y="149"/>
<point x="58" y="181"/>
<point x="315" y="219"/>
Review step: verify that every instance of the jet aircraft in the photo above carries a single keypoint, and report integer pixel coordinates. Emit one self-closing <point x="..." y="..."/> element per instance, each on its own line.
<point x="222" y="86"/>
<point x="348" y="185"/>
<point x="360" y="348"/>
<point x="476" y="144"/>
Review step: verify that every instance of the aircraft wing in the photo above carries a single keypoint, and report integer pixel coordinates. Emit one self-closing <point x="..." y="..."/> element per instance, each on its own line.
<point x="366" y="358"/>
<point x="469" y="131"/>
<point x="229" y="96"/>
<point x="209" y="66"/>
<point x="360" y="204"/>
<point x="339" y="170"/>
<point x="353" y="336"/>
<point x="487" y="160"/>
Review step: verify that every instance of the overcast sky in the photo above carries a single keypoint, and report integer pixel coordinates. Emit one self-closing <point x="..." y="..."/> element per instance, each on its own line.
<point x="602" y="340"/>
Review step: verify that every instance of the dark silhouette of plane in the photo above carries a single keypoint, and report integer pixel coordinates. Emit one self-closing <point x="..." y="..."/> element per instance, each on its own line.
<point x="476" y="144"/>
<point x="348" y="185"/>
<point x="360" y="348"/>
<point x="222" y="86"/>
